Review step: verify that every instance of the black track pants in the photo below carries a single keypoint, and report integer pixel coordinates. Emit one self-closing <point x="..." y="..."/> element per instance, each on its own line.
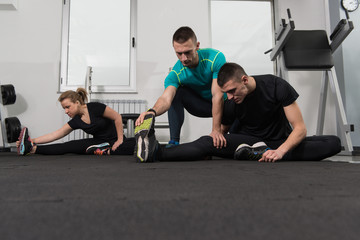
<point x="312" y="148"/>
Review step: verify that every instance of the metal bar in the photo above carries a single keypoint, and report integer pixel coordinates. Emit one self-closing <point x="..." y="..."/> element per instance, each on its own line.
<point x="341" y="33"/>
<point x="342" y="121"/>
<point x="322" y="103"/>
<point x="283" y="40"/>
<point x="88" y="82"/>
<point x="280" y="30"/>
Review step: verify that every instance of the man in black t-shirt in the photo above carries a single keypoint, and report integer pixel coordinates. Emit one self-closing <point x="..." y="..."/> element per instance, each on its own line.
<point x="265" y="107"/>
<point x="270" y="124"/>
<point x="261" y="112"/>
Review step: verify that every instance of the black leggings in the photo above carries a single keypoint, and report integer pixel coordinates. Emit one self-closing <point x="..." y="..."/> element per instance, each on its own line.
<point x="80" y="146"/>
<point x="186" y="98"/>
<point x="313" y="148"/>
<point x="193" y="103"/>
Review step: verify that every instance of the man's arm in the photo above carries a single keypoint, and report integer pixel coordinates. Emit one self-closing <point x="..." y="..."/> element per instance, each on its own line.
<point x="217" y="109"/>
<point x="161" y="106"/>
<point x="294" y="116"/>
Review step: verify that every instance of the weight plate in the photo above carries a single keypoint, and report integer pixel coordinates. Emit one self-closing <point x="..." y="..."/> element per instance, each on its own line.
<point x="8" y="94"/>
<point x="13" y="129"/>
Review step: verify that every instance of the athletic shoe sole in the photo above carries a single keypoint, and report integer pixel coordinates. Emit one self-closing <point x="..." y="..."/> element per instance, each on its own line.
<point x="247" y="152"/>
<point x="98" y="149"/>
<point x="22" y="137"/>
<point x="142" y="141"/>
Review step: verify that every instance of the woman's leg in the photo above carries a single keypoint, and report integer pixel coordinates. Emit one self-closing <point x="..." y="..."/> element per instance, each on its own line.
<point x="75" y="146"/>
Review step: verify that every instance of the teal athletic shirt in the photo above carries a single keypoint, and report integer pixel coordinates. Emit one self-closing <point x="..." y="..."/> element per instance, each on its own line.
<point x="199" y="78"/>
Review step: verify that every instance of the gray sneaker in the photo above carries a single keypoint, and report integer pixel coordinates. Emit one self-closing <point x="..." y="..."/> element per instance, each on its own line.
<point x="146" y="143"/>
<point x="247" y="152"/>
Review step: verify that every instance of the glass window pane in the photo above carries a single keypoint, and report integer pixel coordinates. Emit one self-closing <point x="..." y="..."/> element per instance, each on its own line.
<point x="99" y="35"/>
<point x="242" y="30"/>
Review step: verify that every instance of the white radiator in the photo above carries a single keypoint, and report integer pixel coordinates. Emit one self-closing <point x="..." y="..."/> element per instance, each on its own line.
<point x="120" y="106"/>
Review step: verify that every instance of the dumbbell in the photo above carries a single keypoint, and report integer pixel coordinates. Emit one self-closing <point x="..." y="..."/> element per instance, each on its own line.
<point x="8" y="94"/>
<point x="129" y="120"/>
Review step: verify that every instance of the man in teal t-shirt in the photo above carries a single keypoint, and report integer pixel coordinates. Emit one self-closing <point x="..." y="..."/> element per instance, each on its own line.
<point x="192" y="84"/>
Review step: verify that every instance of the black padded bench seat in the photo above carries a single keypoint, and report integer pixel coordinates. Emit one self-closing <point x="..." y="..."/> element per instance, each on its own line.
<point x="308" y="50"/>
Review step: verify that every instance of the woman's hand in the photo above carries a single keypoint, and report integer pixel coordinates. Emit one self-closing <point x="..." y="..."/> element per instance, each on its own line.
<point x="116" y="144"/>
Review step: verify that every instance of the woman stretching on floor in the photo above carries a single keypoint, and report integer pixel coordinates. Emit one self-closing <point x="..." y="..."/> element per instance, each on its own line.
<point x="93" y="118"/>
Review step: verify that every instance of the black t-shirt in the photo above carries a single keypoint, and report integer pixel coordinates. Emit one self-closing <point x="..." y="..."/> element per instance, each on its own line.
<point x="261" y="114"/>
<point x="100" y="127"/>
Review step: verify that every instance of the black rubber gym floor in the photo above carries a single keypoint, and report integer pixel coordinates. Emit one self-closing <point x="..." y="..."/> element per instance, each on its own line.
<point x="112" y="197"/>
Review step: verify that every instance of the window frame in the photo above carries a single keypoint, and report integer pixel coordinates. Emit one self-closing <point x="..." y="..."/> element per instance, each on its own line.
<point x="63" y="79"/>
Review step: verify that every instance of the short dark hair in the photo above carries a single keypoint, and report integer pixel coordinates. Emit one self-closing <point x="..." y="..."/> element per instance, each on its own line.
<point x="229" y="71"/>
<point x="183" y="34"/>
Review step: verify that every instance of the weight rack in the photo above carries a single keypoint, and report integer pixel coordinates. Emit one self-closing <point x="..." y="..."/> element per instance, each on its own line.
<point x="10" y="126"/>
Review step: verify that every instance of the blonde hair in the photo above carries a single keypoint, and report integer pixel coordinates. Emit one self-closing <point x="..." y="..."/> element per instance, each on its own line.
<point x="80" y="95"/>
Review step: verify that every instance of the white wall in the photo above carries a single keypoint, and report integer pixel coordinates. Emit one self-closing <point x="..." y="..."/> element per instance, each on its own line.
<point x="29" y="59"/>
<point x="30" y="55"/>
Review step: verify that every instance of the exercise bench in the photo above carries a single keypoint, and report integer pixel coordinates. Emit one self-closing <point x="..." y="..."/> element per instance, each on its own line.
<point x="309" y="50"/>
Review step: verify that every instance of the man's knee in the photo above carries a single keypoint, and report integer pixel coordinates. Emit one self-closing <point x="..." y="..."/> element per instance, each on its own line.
<point x="205" y="141"/>
<point x="334" y="144"/>
<point x="330" y="144"/>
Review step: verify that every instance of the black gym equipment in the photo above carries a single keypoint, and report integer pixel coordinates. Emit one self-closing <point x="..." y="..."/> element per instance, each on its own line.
<point x="302" y="50"/>
<point x="129" y="122"/>
<point x="8" y="94"/>
<point x="13" y="129"/>
<point x="10" y="126"/>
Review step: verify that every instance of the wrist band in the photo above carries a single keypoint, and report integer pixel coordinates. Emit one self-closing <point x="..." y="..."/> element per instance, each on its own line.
<point x="152" y="110"/>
